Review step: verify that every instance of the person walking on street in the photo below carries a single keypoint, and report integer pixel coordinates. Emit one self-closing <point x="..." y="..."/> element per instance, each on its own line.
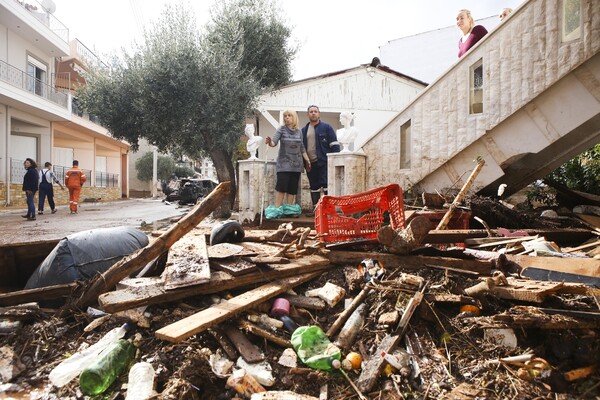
<point x="319" y="139"/>
<point x="30" y="186"/>
<point x="74" y="180"/>
<point x="47" y="176"/>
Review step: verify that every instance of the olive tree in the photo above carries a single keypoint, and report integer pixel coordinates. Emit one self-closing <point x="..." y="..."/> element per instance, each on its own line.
<point x="188" y="92"/>
<point x="165" y="167"/>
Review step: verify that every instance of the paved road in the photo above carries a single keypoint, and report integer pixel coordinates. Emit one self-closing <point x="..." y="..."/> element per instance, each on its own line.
<point x="131" y="212"/>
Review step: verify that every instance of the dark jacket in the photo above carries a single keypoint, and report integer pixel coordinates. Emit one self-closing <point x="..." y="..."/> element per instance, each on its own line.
<point x="31" y="180"/>
<point x="326" y="141"/>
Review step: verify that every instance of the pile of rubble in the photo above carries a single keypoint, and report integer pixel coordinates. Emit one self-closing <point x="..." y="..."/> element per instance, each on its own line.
<point x="419" y="312"/>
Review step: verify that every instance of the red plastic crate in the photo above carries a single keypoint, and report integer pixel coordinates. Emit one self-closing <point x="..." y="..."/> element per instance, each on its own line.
<point x="359" y="216"/>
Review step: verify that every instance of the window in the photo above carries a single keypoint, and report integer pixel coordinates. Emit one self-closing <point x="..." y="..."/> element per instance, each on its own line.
<point x="63" y="157"/>
<point x="571" y="20"/>
<point x="405" y="145"/>
<point x="36" y="76"/>
<point x="476" y="88"/>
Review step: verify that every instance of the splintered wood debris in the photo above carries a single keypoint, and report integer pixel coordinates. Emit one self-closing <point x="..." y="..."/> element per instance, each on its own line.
<point x="441" y="322"/>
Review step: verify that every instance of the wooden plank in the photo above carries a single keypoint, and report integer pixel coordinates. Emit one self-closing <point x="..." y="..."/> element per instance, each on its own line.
<point x="553" y="235"/>
<point x="526" y="290"/>
<point x="235" y="266"/>
<point x="496" y="241"/>
<point x="220" y="281"/>
<point x="393" y="261"/>
<point x="226" y="345"/>
<point x="28" y="295"/>
<point x="225" y="250"/>
<point x="258" y="331"/>
<point x="580" y="266"/>
<point x="248" y="350"/>
<point x="373" y="367"/>
<point x="595" y="243"/>
<point x="312" y="303"/>
<point x="106" y="281"/>
<point x="187" y="263"/>
<point x="205" y="319"/>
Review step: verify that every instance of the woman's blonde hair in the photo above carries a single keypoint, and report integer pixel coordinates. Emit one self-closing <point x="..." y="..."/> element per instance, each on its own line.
<point x="294" y="114"/>
<point x="469" y="16"/>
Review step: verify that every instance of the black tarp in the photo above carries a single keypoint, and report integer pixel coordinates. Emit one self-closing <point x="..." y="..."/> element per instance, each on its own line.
<point x="82" y="255"/>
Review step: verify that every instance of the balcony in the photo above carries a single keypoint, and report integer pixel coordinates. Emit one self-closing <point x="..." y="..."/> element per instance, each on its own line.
<point x="20" y="79"/>
<point x="46" y="17"/>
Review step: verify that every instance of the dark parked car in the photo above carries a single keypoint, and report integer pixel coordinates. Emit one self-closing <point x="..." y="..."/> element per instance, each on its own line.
<point x="191" y="190"/>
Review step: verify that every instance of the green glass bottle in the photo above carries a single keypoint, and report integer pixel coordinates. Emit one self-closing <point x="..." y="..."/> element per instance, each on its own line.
<point x="96" y="378"/>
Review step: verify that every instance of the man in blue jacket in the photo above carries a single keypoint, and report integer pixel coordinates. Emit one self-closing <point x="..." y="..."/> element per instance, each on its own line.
<point x="319" y="139"/>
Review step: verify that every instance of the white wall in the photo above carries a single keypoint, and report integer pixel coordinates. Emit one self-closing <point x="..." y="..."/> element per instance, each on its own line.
<point x="427" y="55"/>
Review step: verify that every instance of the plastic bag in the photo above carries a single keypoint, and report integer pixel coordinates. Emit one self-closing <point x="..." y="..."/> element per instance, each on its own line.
<point x="273" y="212"/>
<point x="290" y="210"/>
<point x="314" y="348"/>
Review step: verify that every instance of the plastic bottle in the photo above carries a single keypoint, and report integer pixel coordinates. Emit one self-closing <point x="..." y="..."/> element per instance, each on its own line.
<point x="351" y="328"/>
<point x="140" y="383"/>
<point x="244" y="384"/>
<point x="265" y="321"/>
<point x="64" y="372"/>
<point x="98" y="376"/>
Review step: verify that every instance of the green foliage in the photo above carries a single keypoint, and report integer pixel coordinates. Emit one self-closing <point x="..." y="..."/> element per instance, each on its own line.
<point x="189" y="93"/>
<point x="540" y="194"/>
<point x="184" y="172"/>
<point x="144" y="167"/>
<point x="581" y="173"/>
<point x="260" y="34"/>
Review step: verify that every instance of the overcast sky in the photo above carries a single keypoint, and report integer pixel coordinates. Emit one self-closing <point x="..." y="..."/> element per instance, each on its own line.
<point x="333" y="34"/>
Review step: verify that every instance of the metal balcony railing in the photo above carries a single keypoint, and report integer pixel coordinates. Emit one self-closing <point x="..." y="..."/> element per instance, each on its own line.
<point x="103" y="179"/>
<point x="44" y="16"/>
<point x="15" y="77"/>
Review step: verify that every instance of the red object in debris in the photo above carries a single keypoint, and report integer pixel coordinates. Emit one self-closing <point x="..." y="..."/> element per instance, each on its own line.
<point x="280" y="307"/>
<point x="359" y="216"/>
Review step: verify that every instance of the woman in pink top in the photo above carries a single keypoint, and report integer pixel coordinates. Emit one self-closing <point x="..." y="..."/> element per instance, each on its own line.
<point x="471" y="33"/>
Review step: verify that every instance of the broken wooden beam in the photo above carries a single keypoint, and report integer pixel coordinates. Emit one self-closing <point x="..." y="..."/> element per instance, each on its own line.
<point x="403" y="241"/>
<point x="155" y="292"/>
<point x="393" y="261"/>
<point x="225" y="310"/>
<point x="263" y="333"/>
<point x="344" y="315"/>
<point x="461" y="195"/>
<point x="187" y="263"/>
<point x="248" y="350"/>
<point x="126" y="266"/>
<point x="38" y="294"/>
<point x="581" y="266"/>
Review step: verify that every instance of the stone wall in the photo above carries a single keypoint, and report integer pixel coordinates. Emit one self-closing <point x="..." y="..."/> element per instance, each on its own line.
<point x="61" y="197"/>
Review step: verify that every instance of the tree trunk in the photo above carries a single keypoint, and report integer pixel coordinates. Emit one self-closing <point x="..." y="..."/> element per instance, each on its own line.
<point x="225" y="172"/>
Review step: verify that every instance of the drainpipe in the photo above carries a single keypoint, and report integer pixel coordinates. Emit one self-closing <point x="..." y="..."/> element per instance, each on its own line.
<point x="7" y="161"/>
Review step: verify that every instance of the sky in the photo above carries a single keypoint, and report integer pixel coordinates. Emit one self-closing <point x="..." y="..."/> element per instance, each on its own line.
<point x="332" y="34"/>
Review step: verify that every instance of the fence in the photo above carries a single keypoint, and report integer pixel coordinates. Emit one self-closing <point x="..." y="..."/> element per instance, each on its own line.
<point x="103" y="179"/>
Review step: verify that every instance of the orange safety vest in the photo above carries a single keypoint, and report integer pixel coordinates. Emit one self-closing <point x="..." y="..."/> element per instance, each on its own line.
<point x="75" y="177"/>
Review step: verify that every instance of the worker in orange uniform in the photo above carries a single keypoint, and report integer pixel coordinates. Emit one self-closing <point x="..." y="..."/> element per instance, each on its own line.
<point x="74" y="180"/>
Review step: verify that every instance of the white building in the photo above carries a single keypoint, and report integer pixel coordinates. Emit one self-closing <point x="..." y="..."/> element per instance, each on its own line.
<point x="39" y="70"/>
